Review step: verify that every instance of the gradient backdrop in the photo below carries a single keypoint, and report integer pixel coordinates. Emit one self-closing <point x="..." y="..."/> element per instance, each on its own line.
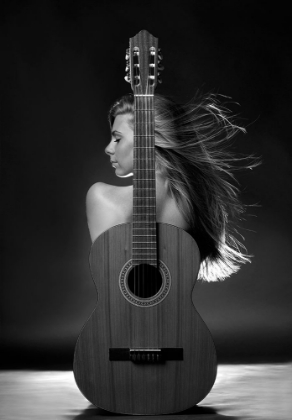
<point x="62" y="67"/>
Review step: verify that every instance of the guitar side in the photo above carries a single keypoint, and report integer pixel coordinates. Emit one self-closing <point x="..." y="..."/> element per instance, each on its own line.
<point x="121" y="385"/>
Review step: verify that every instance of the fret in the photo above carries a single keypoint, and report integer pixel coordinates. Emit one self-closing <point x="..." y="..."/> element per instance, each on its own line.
<point x="144" y="117"/>
<point x="141" y="169"/>
<point x="143" y="214"/>
<point x="151" y="232"/>
<point x="145" y="163"/>
<point x="145" y="154"/>
<point x="149" y="174"/>
<point x="143" y="257"/>
<point x="138" y="252"/>
<point x="145" y="199"/>
<point x="140" y="205"/>
<point x="148" y="188"/>
<point x="135" y="227"/>
<point x="142" y="125"/>
<point x="143" y="247"/>
<point x="147" y="234"/>
<point x="143" y="242"/>
<point x="144" y="250"/>
<point x="142" y="198"/>
<point x="147" y="229"/>
<point x="144" y="254"/>
<point x="144" y="233"/>
<point x="144" y="228"/>
<point x="141" y="159"/>
<point x="146" y="222"/>
<point x="145" y="150"/>
<point x="142" y="202"/>
<point x="146" y="258"/>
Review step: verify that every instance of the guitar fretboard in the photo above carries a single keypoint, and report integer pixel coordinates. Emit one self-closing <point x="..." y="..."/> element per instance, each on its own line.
<point x="144" y="244"/>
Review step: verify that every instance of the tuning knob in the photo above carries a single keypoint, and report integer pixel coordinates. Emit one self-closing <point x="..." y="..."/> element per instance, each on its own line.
<point x="160" y="68"/>
<point x="159" y="80"/>
<point x="159" y="55"/>
<point x="127" y="78"/>
<point x="127" y="54"/>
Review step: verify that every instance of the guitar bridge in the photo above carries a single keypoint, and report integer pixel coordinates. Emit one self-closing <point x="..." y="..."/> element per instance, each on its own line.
<point x="145" y="356"/>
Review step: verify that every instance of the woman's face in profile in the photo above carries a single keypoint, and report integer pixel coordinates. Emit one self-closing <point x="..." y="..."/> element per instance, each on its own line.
<point x="120" y="148"/>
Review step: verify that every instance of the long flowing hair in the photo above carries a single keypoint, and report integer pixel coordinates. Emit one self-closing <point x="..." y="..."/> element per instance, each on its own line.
<point x="191" y="145"/>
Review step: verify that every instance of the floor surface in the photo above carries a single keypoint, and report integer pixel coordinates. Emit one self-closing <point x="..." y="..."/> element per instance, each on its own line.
<point x="261" y="391"/>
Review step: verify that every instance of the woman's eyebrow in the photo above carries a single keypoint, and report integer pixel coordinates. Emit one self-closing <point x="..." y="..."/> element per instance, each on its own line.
<point x="116" y="133"/>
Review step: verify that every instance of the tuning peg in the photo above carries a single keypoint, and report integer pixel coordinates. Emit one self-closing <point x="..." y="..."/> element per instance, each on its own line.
<point x="159" y="80"/>
<point x="127" y="78"/>
<point x="159" y="55"/>
<point x="127" y="53"/>
<point x="127" y="69"/>
<point x="160" y="68"/>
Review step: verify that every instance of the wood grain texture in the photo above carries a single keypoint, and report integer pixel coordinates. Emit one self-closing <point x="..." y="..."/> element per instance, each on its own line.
<point x="125" y="387"/>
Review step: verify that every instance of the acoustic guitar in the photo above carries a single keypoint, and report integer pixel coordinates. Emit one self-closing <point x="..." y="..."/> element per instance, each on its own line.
<point x="144" y="349"/>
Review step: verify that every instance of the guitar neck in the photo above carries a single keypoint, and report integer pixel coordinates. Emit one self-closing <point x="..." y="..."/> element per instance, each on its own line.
<point x="142" y="61"/>
<point x="144" y="183"/>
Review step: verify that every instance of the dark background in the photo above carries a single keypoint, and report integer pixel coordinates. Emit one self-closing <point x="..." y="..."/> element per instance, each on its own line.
<point x="62" y="67"/>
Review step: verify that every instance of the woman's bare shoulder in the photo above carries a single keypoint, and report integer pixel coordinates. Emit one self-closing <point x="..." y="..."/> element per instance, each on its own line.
<point x="105" y="194"/>
<point x="98" y="191"/>
<point x="106" y="206"/>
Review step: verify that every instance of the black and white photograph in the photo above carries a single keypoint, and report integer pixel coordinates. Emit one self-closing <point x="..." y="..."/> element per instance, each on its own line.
<point x="146" y="232"/>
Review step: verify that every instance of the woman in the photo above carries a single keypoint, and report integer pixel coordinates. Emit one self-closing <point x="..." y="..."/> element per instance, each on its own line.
<point x="194" y="175"/>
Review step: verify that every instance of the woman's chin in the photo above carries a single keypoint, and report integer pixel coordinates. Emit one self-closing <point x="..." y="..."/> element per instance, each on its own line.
<point x="121" y="174"/>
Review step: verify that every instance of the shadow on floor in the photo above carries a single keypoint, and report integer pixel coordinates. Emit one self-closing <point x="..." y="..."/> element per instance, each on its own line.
<point x="200" y="413"/>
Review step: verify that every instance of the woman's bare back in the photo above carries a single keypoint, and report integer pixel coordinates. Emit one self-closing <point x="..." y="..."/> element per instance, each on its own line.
<point x="109" y="205"/>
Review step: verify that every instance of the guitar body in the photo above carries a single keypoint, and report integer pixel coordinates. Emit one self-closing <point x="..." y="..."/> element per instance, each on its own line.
<point x="132" y="331"/>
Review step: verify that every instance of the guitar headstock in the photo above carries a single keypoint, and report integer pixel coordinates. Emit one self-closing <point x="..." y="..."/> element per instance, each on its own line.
<point x="143" y="63"/>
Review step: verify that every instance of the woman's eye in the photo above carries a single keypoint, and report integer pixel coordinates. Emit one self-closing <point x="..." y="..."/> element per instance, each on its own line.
<point x="117" y="140"/>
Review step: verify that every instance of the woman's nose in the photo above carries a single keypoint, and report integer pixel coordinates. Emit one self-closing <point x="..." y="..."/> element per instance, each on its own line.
<point x="109" y="150"/>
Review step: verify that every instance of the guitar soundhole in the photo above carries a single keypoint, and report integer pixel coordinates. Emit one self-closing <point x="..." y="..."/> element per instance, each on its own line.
<point x="144" y="281"/>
